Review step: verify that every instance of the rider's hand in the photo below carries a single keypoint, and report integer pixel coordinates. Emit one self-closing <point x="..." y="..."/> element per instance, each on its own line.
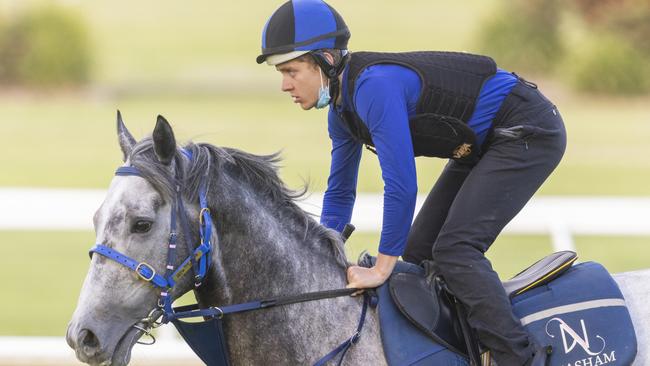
<point x="361" y="277"/>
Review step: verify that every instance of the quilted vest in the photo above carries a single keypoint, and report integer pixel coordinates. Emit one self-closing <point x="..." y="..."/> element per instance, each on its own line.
<point x="451" y="83"/>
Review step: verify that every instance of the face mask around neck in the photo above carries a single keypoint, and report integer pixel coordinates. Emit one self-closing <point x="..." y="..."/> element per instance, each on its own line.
<point x="323" y="93"/>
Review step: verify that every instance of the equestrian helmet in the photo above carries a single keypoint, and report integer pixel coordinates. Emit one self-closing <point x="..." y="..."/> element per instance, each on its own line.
<point x="299" y="27"/>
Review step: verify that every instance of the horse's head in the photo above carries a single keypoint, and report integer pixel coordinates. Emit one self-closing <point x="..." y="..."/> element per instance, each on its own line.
<point x="116" y="302"/>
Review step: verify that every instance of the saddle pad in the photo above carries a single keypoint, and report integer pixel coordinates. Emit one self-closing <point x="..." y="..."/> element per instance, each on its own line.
<point x="404" y="344"/>
<point x="582" y="315"/>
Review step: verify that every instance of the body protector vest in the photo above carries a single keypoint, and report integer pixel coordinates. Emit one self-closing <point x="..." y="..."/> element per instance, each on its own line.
<point x="451" y="84"/>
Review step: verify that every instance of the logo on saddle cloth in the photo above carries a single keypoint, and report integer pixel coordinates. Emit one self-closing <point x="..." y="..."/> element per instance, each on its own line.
<point x="571" y="339"/>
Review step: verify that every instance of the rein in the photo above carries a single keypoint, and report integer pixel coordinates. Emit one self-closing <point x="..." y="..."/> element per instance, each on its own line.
<point x="199" y="261"/>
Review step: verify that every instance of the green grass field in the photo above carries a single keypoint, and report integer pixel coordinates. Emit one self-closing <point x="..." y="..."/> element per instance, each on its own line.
<point x="194" y="63"/>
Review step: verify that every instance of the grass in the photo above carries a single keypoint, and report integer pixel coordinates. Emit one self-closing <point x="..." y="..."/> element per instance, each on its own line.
<point x="44" y="271"/>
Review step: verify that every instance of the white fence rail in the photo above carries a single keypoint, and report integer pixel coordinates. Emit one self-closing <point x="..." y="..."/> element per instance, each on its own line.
<point x="53" y="351"/>
<point x="560" y="217"/>
<point x="64" y="209"/>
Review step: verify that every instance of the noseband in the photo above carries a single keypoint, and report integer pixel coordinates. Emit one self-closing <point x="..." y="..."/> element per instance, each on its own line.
<point x="206" y="338"/>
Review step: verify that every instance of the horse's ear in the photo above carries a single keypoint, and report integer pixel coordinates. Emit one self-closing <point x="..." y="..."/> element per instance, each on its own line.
<point x="164" y="143"/>
<point x="124" y="137"/>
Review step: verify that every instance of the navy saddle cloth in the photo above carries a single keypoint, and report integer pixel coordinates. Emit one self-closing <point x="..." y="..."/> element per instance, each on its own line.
<point x="581" y="314"/>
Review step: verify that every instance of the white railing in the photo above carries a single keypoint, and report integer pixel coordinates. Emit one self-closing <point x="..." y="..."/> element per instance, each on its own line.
<point x="53" y="351"/>
<point x="559" y="217"/>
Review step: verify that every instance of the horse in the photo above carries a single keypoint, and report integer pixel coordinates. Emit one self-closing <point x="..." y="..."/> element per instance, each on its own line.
<point x="265" y="246"/>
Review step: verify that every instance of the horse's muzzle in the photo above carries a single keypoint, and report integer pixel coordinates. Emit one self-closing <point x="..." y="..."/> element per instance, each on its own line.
<point x="86" y="346"/>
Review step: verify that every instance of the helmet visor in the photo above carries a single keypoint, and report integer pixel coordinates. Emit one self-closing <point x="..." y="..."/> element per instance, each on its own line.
<point x="273" y="60"/>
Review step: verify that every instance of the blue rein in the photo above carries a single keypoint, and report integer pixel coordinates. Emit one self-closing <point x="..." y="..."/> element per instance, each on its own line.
<point x="199" y="260"/>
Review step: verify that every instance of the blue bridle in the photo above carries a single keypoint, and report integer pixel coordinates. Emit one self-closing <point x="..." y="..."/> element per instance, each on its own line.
<point x="207" y="338"/>
<point x="199" y="260"/>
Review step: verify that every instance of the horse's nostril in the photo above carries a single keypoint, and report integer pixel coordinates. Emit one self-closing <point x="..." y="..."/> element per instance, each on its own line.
<point x="88" y="342"/>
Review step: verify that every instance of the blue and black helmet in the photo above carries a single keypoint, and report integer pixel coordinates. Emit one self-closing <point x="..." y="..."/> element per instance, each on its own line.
<point x="299" y="27"/>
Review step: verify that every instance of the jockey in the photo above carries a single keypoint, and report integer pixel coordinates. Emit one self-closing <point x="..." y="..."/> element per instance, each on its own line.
<point x="502" y="137"/>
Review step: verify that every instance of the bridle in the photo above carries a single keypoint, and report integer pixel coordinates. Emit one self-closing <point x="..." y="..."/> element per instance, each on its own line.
<point x="199" y="260"/>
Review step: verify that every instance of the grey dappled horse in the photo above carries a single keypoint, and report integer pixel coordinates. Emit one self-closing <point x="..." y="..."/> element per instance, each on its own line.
<point x="266" y="247"/>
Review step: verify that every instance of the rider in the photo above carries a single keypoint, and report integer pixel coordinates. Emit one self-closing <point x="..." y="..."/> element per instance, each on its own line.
<point x="502" y="136"/>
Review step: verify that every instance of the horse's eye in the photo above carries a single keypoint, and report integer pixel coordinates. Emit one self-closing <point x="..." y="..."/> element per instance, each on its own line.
<point x="141" y="227"/>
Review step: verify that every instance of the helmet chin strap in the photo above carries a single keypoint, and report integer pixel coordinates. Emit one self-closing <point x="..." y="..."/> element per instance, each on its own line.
<point x="332" y="71"/>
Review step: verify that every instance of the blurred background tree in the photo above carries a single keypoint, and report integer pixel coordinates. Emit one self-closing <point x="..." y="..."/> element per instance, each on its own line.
<point x="524" y="35"/>
<point x="610" y="55"/>
<point x="616" y="56"/>
<point x="45" y="47"/>
<point x="629" y="19"/>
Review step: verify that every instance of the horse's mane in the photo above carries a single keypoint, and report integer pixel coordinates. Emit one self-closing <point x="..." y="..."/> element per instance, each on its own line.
<point x="259" y="171"/>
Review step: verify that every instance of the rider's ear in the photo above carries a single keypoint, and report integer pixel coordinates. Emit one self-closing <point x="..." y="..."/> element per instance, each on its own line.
<point x="164" y="143"/>
<point x="329" y="57"/>
<point x="124" y="137"/>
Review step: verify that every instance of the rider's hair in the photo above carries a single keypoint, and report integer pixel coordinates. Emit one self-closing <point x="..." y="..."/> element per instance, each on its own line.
<point x="336" y="54"/>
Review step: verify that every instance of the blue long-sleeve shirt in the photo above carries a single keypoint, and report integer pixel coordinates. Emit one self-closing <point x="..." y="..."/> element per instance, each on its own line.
<point x="385" y="97"/>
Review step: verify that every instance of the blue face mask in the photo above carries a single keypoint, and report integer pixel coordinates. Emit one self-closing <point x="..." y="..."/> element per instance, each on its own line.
<point x="323" y="94"/>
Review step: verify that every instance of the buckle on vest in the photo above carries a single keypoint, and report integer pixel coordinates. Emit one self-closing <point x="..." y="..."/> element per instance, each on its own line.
<point x="145" y="265"/>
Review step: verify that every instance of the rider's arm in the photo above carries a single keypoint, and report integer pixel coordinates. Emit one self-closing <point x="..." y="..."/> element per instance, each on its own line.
<point x="342" y="182"/>
<point x="383" y="107"/>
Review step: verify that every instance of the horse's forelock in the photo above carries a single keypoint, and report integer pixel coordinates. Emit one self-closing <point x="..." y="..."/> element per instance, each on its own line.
<point x="158" y="175"/>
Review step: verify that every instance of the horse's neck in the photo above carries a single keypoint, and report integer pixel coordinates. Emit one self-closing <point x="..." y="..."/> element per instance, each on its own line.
<point x="265" y="250"/>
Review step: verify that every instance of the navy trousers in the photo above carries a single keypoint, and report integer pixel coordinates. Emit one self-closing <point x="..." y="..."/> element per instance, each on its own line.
<point x="469" y="206"/>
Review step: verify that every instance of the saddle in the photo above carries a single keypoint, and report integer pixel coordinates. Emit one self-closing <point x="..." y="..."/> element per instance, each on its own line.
<point x="431" y="306"/>
<point x="553" y="298"/>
